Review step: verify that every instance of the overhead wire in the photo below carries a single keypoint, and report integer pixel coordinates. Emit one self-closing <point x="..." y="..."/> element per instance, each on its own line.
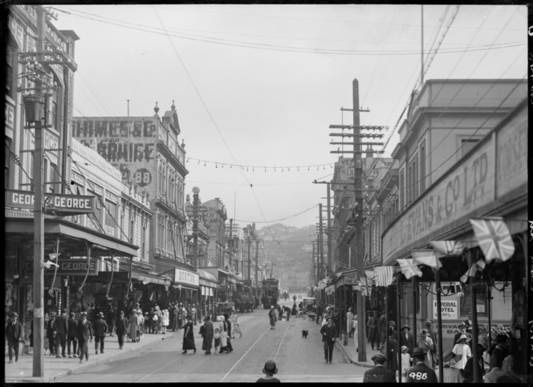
<point x="213" y="121"/>
<point x="273" y="47"/>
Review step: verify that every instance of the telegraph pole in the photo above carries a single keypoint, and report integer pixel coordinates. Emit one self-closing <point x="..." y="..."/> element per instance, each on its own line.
<point x="248" y="240"/>
<point x="195" y="205"/>
<point x="321" y="241"/>
<point x="315" y="275"/>
<point x="358" y="240"/>
<point x="256" y="263"/>
<point x="230" y="241"/>
<point x="330" y="266"/>
<point x="38" y="221"/>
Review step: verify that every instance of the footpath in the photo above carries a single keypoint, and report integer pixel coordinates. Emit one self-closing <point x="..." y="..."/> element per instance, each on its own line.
<point x="21" y="371"/>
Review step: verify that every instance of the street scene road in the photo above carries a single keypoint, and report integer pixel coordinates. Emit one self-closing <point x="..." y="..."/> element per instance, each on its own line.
<point x="298" y="359"/>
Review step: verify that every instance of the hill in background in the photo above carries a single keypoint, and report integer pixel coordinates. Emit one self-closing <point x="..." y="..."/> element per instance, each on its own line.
<point x="289" y="249"/>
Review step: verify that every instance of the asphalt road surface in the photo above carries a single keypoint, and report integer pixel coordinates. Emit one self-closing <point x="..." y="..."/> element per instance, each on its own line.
<point x="298" y="359"/>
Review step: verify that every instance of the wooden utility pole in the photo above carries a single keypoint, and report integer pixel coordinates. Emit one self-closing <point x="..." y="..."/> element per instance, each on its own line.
<point x="321" y="241"/>
<point x="230" y="242"/>
<point x="359" y="241"/>
<point x="256" y="263"/>
<point x="195" y="207"/>
<point x="249" y="241"/>
<point x="315" y="274"/>
<point x="330" y="266"/>
<point x="38" y="221"/>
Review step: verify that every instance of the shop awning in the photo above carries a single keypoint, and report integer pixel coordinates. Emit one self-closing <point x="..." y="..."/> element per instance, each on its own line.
<point x="186" y="287"/>
<point x="150" y="278"/>
<point x="206" y="275"/>
<point x="73" y="234"/>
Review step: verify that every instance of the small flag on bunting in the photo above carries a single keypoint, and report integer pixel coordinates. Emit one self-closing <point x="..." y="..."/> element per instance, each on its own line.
<point x="409" y="268"/>
<point x="479" y="265"/>
<point x="426" y="257"/>
<point x="494" y="238"/>
<point x="443" y="248"/>
<point x="384" y="275"/>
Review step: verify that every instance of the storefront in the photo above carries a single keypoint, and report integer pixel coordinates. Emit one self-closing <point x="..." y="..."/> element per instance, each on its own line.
<point x="188" y="285"/>
<point x="76" y="283"/>
<point x="489" y="181"/>
<point x="208" y="286"/>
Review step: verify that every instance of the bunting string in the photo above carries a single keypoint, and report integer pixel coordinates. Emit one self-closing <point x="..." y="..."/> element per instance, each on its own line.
<point x="262" y="168"/>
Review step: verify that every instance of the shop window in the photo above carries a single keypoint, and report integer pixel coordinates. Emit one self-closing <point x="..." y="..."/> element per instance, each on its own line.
<point x="467" y="144"/>
<point x="111" y="213"/>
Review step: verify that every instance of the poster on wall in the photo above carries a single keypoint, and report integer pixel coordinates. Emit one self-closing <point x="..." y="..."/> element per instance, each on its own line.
<point x="449" y="309"/>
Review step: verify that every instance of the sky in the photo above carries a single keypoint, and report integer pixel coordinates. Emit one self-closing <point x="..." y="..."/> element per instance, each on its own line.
<point x="259" y="85"/>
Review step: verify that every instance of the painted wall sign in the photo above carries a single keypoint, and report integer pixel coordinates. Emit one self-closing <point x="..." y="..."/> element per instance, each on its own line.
<point x="449" y="309"/>
<point x="511" y="153"/>
<point x="464" y="189"/>
<point x="186" y="277"/>
<point x="129" y="144"/>
<point x="77" y="266"/>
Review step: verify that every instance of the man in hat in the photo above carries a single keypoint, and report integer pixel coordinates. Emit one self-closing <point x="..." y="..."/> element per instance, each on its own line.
<point x="328" y="332"/>
<point x="379" y="373"/>
<point x="420" y="372"/>
<point x="85" y="333"/>
<point x="100" y="329"/>
<point x="461" y="330"/>
<point x="407" y="339"/>
<point x="13" y="333"/>
<point x="60" y="327"/>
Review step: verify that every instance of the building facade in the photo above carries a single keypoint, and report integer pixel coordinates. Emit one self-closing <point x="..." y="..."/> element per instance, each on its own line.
<point x="147" y="152"/>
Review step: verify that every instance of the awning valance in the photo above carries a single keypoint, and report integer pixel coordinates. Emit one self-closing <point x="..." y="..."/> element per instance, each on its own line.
<point x="147" y="278"/>
<point x="206" y="276"/>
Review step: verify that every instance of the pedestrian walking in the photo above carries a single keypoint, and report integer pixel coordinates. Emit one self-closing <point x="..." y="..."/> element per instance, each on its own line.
<point x="217" y="327"/>
<point x="381" y="334"/>
<point x="406" y="362"/>
<point x="188" y="336"/>
<point x="235" y="326"/>
<point x="165" y="320"/>
<point x="372" y="331"/>
<point x="499" y="350"/>
<point x="468" y="371"/>
<point x="328" y="338"/>
<point x="270" y="369"/>
<point x="60" y="328"/>
<point x="461" y="352"/>
<point x="140" y="324"/>
<point x="272" y="317"/>
<point x="85" y="334"/>
<point x="223" y="334"/>
<point x="392" y="356"/>
<point x="227" y="322"/>
<point x="72" y="335"/>
<point x="427" y="345"/>
<point x="420" y="372"/>
<point x="100" y="330"/>
<point x="181" y="315"/>
<point x="407" y="339"/>
<point x="379" y="373"/>
<point x="349" y="322"/>
<point x="132" y="326"/>
<point x="121" y="327"/>
<point x="13" y="335"/>
<point x="51" y="333"/>
<point x="207" y="332"/>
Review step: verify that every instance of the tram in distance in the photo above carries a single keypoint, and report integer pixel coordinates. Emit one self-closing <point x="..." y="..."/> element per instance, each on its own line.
<point x="270" y="292"/>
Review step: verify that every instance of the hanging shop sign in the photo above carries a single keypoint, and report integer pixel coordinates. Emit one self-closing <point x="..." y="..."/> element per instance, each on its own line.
<point x="53" y="203"/>
<point x="449" y="309"/>
<point x="77" y="267"/>
<point x="186" y="277"/>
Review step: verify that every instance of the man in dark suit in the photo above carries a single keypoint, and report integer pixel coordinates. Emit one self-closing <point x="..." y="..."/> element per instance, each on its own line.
<point x="100" y="329"/>
<point x="121" y="326"/>
<point x="13" y="333"/>
<point x="51" y="333"/>
<point x="407" y="339"/>
<point x="420" y="372"/>
<point x="72" y="335"/>
<point x="328" y="332"/>
<point x="379" y="373"/>
<point x="60" y="327"/>
<point x="85" y="333"/>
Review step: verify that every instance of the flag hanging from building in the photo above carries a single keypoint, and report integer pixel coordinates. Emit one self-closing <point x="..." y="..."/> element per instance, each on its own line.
<point x="494" y="238"/>
<point x="479" y="265"/>
<point x="426" y="257"/>
<point x="409" y="268"/>
<point x="443" y="248"/>
<point x="384" y="275"/>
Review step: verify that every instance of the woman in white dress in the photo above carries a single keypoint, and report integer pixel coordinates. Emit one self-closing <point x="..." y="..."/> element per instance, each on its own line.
<point x="165" y="320"/>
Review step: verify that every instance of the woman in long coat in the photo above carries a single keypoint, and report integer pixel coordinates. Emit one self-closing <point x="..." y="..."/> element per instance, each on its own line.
<point x="188" y="336"/>
<point x="272" y="316"/>
<point x="132" y="326"/>
<point x="207" y="332"/>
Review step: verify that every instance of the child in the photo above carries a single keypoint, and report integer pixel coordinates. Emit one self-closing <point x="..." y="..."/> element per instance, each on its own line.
<point x="406" y="360"/>
<point x="216" y="335"/>
<point x="270" y="369"/>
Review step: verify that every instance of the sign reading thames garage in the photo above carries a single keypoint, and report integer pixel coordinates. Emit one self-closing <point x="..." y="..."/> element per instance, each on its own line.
<point x="186" y="277"/>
